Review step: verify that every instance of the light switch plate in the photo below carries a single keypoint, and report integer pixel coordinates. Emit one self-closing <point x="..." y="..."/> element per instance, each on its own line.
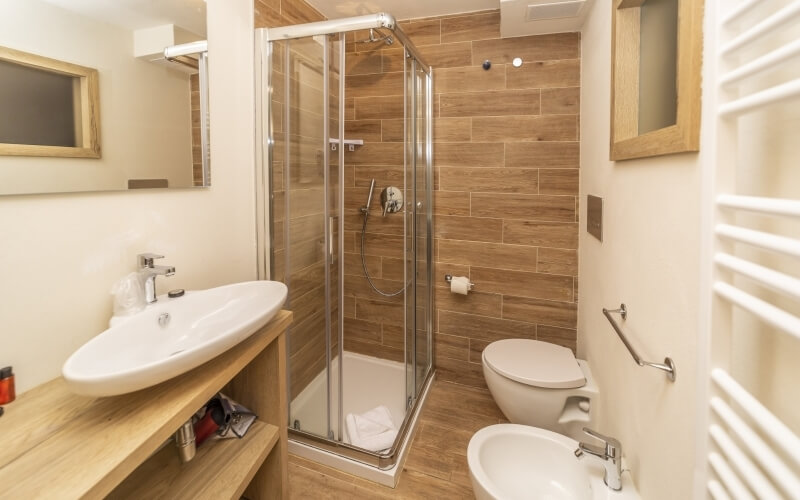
<point x="594" y="216"/>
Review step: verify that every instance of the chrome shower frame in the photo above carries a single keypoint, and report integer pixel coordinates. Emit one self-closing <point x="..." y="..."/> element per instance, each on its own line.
<point x="264" y="209"/>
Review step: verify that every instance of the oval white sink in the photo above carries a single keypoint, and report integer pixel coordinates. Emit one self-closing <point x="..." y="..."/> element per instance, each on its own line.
<point x="149" y="348"/>
<point x="510" y="461"/>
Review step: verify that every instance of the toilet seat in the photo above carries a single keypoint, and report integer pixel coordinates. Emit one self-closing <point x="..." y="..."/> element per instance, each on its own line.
<point x="535" y="363"/>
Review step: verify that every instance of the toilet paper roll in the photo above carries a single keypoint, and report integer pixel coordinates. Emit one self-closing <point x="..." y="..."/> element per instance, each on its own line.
<point x="460" y="285"/>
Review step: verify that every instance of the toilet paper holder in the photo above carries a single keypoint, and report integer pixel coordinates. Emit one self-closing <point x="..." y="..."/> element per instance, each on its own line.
<point x="449" y="278"/>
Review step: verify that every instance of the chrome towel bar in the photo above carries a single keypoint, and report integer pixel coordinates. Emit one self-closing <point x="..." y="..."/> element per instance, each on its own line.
<point x="668" y="366"/>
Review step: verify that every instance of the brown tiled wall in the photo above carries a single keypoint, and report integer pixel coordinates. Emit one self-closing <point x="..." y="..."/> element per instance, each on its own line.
<point x="506" y="167"/>
<point x="306" y="286"/>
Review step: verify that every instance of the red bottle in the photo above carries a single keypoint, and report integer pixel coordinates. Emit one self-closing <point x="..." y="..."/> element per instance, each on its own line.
<point x="7" y="391"/>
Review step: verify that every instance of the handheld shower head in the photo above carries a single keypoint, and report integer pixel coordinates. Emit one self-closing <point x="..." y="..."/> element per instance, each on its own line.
<point x="369" y="196"/>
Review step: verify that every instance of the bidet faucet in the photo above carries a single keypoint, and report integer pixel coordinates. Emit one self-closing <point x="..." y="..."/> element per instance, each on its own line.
<point x="610" y="454"/>
<point x="149" y="271"/>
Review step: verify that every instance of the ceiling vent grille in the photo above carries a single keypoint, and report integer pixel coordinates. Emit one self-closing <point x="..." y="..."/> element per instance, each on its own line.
<point x="555" y="10"/>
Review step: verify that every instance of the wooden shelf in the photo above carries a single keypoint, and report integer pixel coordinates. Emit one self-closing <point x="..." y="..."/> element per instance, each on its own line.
<point x="221" y="469"/>
<point x="59" y="444"/>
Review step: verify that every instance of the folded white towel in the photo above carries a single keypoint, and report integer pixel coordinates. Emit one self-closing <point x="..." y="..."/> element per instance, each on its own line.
<point x="373" y="430"/>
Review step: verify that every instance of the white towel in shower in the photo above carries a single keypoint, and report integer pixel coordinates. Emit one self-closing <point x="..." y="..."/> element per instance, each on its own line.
<point x="372" y="430"/>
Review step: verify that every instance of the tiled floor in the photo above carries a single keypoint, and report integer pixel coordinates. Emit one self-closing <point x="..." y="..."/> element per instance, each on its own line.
<point x="437" y="463"/>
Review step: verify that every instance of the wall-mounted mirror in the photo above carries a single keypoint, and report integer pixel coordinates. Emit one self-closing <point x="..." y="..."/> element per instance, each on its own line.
<point x="656" y="55"/>
<point x="153" y="127"/>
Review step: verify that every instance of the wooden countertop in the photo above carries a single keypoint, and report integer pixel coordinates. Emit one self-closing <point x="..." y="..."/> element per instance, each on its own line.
<point x="82" y="447"/>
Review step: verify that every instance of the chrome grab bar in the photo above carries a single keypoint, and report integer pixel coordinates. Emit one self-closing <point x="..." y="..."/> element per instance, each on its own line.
<point x="668" y="366"/>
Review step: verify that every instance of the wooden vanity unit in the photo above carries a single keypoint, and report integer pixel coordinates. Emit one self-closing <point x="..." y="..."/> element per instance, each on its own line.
<point x="59" y="445"/>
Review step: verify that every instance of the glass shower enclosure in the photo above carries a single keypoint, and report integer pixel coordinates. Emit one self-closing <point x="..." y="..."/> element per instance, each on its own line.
<point x="351" y="347"/>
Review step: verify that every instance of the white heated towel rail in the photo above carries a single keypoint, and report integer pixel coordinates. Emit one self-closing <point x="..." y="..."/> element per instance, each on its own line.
<point x="750" y="453"/>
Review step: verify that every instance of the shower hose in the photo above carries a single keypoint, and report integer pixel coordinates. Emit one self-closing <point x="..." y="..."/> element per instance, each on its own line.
<point x="364" y="262"/>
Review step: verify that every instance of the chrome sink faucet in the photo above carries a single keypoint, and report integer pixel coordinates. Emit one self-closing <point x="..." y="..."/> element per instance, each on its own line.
<point x="149" y="271"/>
<point x="610" y="454"/>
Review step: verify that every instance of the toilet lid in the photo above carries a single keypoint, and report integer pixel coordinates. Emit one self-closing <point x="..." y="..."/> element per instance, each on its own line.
<point x="536" y="363"/>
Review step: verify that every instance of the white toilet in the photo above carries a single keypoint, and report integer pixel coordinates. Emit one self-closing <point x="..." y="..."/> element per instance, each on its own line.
<point x="540" y="384"/>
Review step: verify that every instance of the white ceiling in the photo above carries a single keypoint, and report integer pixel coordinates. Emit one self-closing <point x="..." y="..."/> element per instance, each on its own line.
<point x="400" y="9"/>
<point x="136" y="14"/>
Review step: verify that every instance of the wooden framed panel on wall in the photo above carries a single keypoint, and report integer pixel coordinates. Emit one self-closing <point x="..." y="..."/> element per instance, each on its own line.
<point x="656" y="61"/>
<point x="51" y="108"/>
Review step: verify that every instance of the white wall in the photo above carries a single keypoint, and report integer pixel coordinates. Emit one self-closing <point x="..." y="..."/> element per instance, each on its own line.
<point x="649" y="259"/>
<point x="60" y="254"/>
<point x="132" y="93"/>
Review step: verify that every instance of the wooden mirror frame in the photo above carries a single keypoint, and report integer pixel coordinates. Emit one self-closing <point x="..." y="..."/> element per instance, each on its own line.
<point x="87" y="122"/>
<point x="626" y="143"/>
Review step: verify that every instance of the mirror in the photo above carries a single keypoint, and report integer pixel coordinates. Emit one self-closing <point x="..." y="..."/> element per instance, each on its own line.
<point x="656" y="52"/>
<point x="150" y="114"/>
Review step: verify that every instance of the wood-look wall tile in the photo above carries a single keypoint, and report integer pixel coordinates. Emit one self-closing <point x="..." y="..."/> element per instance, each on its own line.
<point x="266" y="16"/>
<point x="542" y="312"/>
<point x="529" y="48"/>
<point x="476" y="347"/>
<point x="307" y="279"/>
<point x="523" y="206"/>
<point x="452" y="370"/>
<point x="483" y="327"/>
<point x="380" y="108"/>
<point x="377" y="224"/>
<point x="524" y="128"/>
<point x="450" y="203"/>
<point x="464" y="154"/>
<point x="484" y="304"/>
<point x="362" y="63"/>
<point x="353" y="266"/>
<point x="393" y="268"/>
<point x="393" y="130"/>
<point x="375" y="350"/>
<point x="522" y="283"/>
<point x="423" y="32"/>
<point x="392" y="60"/>
<point x="452" y="346"/>
<point x="358" y="329"/>
<point x="471" y="27"/>
<point x="384" y="175"/>
<point x="366" y="130"/>
<point x="474" y="253"/>
<point x="559" y="181"/>
<point x="468" y="79"/>
<point x="349" y="309"/>
<point x="377" y="85"/>
<point x="452" y="130"/>
<point x="350" y="108"/>
<point x="575" y="294"/>
<point x="380" y="153"/>
<point x="567" y="337"/>
<point x="298" y="12"/>
<point x="448" y="55"/>
<point x="380" y="311"/>
<point x="492" y="103"/>
<point x="561" y="101"/>
<point x="468" y="228"/>
<point x="558" y="261"/>
<point x="382" y="245"/>
<point x="540" y="234"/>
<point x="394" y="336"/>
<point x="542" y="154"/>
<point x="359" y="287"/>
<point x="489" y="180"/>
<point x="543" y="74"/>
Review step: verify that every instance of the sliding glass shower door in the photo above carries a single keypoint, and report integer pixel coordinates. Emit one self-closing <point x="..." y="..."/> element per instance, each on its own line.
<point x="314" y="186"/>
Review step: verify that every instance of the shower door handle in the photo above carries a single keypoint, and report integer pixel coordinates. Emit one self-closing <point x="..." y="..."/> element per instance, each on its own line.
<point x="331" y="244"/>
